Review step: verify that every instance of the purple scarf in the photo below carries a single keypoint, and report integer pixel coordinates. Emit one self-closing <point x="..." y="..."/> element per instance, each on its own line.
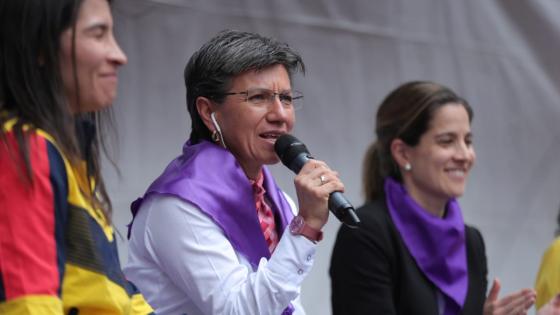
<point x="437" y="244"/>
<point x="209" y="177"/>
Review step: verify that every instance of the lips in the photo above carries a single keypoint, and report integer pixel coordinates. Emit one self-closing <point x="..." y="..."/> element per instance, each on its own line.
<point x="457" y="172"/>
<point x="271" y="135"/>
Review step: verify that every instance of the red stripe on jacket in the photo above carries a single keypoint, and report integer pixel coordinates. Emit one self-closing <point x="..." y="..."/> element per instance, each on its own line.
<point x="28" y="262"/>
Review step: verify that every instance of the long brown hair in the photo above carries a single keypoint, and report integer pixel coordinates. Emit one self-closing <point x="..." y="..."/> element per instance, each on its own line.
<point x="31" y="88"/>
<point x="404" y="114"/>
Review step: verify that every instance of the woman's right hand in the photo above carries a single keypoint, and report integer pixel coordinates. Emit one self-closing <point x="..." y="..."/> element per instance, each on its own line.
<point x="515" y="303"/>
<point x="314" y="183"/>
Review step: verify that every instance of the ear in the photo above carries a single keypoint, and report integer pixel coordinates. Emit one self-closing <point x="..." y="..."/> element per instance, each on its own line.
<point x="400" y="152"/>
<point x="205" y="107"/>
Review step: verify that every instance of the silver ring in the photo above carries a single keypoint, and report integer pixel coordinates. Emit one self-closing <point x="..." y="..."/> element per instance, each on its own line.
<point x="322" y="179"/>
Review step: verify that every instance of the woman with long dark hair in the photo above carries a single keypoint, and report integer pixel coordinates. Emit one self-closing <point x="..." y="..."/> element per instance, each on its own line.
<point x="58" y="73"/>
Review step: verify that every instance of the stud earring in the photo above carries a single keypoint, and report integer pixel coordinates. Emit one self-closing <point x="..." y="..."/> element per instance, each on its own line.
<point x="407" y="167"/>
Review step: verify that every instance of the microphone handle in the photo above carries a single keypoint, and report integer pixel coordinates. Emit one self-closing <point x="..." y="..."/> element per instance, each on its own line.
<point x="338" y="204"/>
<point x="343" y="210"/>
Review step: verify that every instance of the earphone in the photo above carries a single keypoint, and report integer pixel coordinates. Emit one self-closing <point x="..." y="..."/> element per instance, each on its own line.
<point x="217" y="126"/>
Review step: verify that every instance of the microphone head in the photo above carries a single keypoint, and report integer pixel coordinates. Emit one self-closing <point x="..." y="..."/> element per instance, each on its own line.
<point x="288" y="147"/>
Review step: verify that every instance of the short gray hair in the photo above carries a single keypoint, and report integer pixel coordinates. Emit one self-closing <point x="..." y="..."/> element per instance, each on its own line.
<point x="210" y="69"/>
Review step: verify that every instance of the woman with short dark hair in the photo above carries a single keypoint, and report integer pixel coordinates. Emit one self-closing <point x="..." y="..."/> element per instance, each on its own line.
<point x="210" y="235"/>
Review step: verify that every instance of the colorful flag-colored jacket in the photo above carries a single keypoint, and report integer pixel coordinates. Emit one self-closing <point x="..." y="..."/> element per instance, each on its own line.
<point x="58" y="254"/>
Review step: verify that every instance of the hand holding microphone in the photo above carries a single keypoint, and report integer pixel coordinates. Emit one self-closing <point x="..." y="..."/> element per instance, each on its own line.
<point x="295" y="156"/>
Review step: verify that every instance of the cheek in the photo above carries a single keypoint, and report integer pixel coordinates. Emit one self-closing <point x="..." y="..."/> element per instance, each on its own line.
<point x="67" y="76"/>
<point x="473" y="157"/>
<point x="291" y="121"/>
<point x="66" y="71"/>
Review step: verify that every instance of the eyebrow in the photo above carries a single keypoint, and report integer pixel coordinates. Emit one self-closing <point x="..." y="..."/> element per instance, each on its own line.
<point x="97" y="25"/>
<point x="267" y="89"/>
<point x="451" y="134"/>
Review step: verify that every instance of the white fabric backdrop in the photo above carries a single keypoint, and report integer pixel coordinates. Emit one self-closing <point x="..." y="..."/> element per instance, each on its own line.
<point x="500" y="55"/>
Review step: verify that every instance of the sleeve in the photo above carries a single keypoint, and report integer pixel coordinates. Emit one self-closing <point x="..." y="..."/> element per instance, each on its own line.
<point x="484" y="262"/>
<point x="548" y="277"/>
<point x="139" y="306"/>
<point x="478" y="271"/>
<point x="211" y="274"/>
<point x="31" y="228"/>
<point x="361" y="271"/>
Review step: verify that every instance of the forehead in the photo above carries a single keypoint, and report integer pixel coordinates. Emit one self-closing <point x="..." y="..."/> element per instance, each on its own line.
<point x="272" y="77"/>
<point x="450" y="117"/>
<point x="94" y="11"/>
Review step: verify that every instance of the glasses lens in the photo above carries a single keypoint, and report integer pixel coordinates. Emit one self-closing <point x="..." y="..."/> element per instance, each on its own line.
<point x="286" y="98"/>
<point x="297" y="100"/>
<point x="259" y="96"/>
<point x="262" y="97"/>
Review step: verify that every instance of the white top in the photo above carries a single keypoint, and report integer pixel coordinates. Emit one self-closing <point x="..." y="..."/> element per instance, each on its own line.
<point x="182" y="263"/>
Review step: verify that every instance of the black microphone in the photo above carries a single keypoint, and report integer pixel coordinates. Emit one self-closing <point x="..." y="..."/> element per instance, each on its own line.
<point x="294" y="155"/>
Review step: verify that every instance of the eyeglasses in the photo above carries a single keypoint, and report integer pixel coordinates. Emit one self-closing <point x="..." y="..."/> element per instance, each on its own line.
<point x="264" y="97"/>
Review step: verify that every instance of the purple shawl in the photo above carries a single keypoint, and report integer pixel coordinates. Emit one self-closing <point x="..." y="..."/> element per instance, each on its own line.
<point x="437" y="245"/>
<point x="209" y="177"/>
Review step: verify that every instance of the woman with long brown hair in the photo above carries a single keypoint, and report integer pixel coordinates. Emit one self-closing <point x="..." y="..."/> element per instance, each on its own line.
<point x="413" y="253"/>
<point x="58" y="73"/>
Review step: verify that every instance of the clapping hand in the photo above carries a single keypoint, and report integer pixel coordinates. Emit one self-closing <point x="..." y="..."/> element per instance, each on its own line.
<point x="515" y="303"/>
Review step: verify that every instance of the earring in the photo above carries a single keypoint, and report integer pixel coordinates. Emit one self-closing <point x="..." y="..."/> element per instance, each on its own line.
<point x="215" y="136"/>
<point x="407" y="167"/>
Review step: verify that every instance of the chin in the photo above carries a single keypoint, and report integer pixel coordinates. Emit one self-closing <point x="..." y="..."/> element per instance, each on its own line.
<point x="272" y="160"/>
<point x="456" y="193"/>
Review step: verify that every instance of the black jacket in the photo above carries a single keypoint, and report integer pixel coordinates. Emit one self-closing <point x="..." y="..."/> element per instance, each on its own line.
<point x="372" y="271"/>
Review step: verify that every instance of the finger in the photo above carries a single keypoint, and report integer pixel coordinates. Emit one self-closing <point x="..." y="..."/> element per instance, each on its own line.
<point x="334" y="185"/>
<point x="327" y="176"/>
<point x="556" y="301"/>
<point x="316" y="171"/>
<point x="517" y="302"/>
<point x="494" y="291"/>
<point x="516" y="298"/>
<point x="311" y="165"/>
<point x="310" y="176"/>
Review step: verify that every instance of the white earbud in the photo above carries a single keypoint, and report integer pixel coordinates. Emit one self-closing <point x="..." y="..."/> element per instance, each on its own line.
<point x="217" y="126"/>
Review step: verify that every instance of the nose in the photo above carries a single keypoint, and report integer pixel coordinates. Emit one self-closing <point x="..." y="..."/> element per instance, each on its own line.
<point x="464" y="151"/>
<point x="116" y="54"/>
<point x="276" y="110"/>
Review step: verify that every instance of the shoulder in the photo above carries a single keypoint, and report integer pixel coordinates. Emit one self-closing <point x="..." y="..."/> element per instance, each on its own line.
<point x="476" y="252"/>
<point x="41" y="151"/>
<point x="376" y="227"/>
<point x="555" y="246"/>
<point x="31" y="132"/>
<point x="374" y="212"/>
<point x="474" y="237"/>
<point x="375" y="218"/>
<point x="553" y="251"/>
<point x="39" y="143"/>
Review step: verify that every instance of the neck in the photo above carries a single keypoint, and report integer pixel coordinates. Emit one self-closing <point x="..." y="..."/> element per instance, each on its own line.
<point x="251" y="172"/>
<point x="433" y="205"/>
